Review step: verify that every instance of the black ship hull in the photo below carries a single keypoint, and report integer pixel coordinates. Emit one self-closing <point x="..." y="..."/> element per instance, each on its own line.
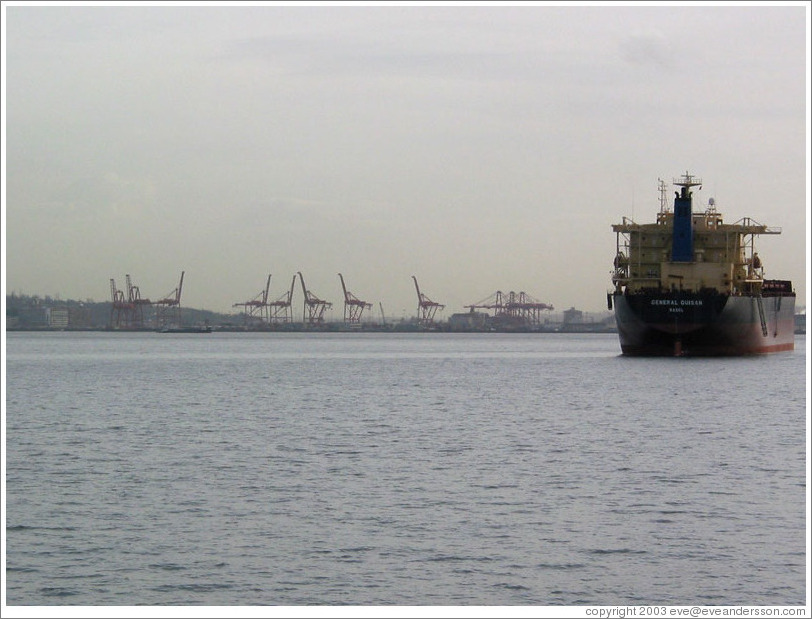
<point x="704" y="324"/>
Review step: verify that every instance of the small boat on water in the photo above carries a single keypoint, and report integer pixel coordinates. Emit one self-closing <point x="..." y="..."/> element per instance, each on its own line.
<point x="690" y="284"/>
<point x="190" y="329"/>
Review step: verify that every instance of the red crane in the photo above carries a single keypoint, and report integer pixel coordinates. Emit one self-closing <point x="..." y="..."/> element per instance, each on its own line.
<point x="257" y="309"/>
<point x="519" y="309"/>
<point x="121" y="308"/>
<point x="167" y="309"/>
<point x="353" y="306"/>
<point x="426" y="308"/>
<point x="137" y="304"/>
<point x="280" y="310"/>
<point x="313" y="311"/>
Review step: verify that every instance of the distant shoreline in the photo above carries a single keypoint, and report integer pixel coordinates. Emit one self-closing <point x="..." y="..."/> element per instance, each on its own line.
<point x="332" y="328"/>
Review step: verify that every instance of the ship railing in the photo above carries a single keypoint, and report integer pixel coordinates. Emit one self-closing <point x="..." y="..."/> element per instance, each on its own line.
<point x="627" y="226"/>
<point x="630" y="281"/>
<point x="754" y="227"/>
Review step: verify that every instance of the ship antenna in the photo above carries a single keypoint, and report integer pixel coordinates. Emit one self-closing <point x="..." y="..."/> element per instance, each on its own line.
<point x="663" y="197"/>
<point x="632" y="202"/>
<point x="686" y="182"/>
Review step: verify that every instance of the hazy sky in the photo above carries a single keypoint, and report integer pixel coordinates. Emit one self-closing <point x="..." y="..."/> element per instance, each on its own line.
<point x="480" y="148"/>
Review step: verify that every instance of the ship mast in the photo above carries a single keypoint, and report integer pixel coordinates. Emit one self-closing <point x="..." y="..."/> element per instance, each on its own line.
<point x="663" y="195"/>
<point x="686" y="182"/>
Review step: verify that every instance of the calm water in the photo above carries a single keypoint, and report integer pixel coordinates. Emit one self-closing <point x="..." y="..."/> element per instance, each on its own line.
<point x="370" y="469"/>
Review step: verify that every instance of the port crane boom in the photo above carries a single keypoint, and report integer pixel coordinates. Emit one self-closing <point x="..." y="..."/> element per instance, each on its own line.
<point x="353" y="306"/>
<point x="121" y="308"/>
<point x="167" y="309"/>
<point x="426" y="308"/>
<point x="136" y="304"/>
<point x="280" y="309"/>
<point x="257" y="309"/>
<point x="313" y="310"/>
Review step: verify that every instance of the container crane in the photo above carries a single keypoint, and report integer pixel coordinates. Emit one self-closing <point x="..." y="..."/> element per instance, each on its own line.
<point x="353" y="306"/>
<point x="137" y="304"/>
<point x="313" y="310"/>
<point x="280" y="309"/>
<point x="167" y="309"/>
<point x="257" y="309"/>
<point x="426" y="308"/>
<point x="121" y="308"/>
<point x="518" y="308"/>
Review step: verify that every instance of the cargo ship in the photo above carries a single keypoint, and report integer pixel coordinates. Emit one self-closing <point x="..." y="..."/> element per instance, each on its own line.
<point x="693" y="285"/>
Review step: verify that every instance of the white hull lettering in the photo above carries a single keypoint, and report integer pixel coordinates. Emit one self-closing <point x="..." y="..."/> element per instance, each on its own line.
<point x="677" y="303"/>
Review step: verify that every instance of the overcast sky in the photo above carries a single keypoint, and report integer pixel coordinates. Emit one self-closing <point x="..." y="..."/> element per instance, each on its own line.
<point x="480" y="148"/>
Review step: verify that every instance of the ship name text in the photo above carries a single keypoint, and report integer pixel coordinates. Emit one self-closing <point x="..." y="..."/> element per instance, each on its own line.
<point x="676" y="302"/>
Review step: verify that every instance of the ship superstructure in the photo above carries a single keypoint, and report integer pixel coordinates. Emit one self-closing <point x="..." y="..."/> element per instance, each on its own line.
<point x="692" y="284"/>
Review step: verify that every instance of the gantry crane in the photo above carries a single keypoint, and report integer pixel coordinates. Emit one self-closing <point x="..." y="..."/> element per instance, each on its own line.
<point x="353" y="306"/>
<point x="257" y="309"/>
<point x="167" y="309"/>
<point x="280" y="309"/>
<point x="121" y="308"/>
<point x="518" y="308"/>
<point x="313" y="310"/>
<point x="137" y="304"/>
<point x="426" y="308"/>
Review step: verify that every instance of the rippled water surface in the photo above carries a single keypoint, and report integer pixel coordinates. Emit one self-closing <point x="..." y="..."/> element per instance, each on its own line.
<point x="407" y="469"/>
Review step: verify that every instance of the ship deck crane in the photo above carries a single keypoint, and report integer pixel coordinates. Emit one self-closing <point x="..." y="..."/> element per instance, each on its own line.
<point x="313" y="310"/>
<point x="426" y="308"/>
<point x="353" y="306"/>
